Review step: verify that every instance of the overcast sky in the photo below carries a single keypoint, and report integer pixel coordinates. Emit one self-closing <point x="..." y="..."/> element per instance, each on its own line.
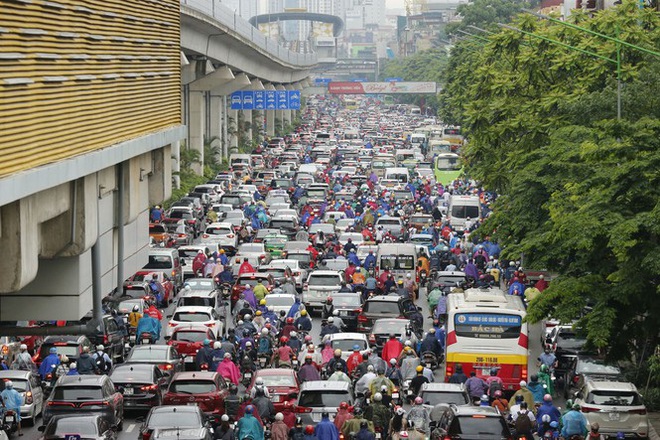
<point x="395" y="4"/>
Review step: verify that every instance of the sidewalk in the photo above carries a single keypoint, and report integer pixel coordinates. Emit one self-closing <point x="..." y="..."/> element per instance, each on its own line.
<point x="654" y="420"/>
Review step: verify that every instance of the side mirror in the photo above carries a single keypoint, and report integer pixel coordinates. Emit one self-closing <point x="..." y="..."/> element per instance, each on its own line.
<point x="182" y="261"/>
<point x="140" y="419"/>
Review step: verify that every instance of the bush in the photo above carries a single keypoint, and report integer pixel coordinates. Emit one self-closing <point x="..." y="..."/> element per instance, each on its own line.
<point x="651" y="399"/>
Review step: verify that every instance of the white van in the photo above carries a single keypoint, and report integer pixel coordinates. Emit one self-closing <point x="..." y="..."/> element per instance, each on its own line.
<point x="461" y="208"/>
<point x="397" y="173"/>
<point x="399" y="258"/>
<point x="417" y="138"/>
<point x="236" y="158"/>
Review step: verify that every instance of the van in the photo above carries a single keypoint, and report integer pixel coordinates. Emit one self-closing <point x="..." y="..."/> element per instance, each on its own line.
<point x="417" y="138"/>
<point x="397" y="173"/>
<point x="461" y="208"/>
<point x="236" y="158"/>
<point x="167" y="260"/>
<point x="399" y="258"/>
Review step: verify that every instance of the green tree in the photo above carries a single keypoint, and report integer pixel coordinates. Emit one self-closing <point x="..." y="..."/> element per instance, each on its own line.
<point x="486" y="13"/>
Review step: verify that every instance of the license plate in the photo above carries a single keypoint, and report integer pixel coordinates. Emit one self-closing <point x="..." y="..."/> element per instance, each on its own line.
<point x="248" y="375"/>
<point x="395" y="395"/>
<point x="410" y="392"/>
<point x="485" y="371"/>
<point x="9" y="419"/>
<point x="146" y="341"/>
<point x="131" y="338"/>
<point x="343" y="313"/>
<point x="614" y="416"/>
<point x="378" y="436"/>
<point x="295" y="363"/>
<point x="128" y="391"/>
<point x="276" y="398"/>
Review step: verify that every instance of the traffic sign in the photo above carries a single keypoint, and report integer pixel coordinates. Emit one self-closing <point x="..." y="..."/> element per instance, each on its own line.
<point x="71" y="436"/>
<point x="282" y="100"/>
<point x="294" y="99"/>
<point x="319" y="81"/>
<point x="395" y="79"/>
<point x="248" y="99"/>
<point x="271" y="101"/>
<point x="236" y="101"/>
<point x="259" y="100"/>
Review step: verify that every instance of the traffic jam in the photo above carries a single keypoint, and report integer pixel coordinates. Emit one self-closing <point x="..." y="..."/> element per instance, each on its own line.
<point x="329" y="285"/>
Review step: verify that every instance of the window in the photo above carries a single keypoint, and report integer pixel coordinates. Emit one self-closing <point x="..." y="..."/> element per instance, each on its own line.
<point x="197" y="301"/>
<point x="181" y="419"/>
<point x="189" y="336"/>
<point x="346" y="345"/>
<point x="193" y="386"/>
<point x="462" y="211"/>
<point x="278" y="381"/>
<point x="383" y="307"/>
<point x="434" y="398"/>
<point x="191" y="317"/>
<point x="78" y="393"/>
<point x="82" y="426"/>
<point x="323" y="398"/>
<point x="68" y="350"/>
<point x="397" y="262"/>
<point x="159" y="262"/>
<point x="324" y="280"/>
<point x="479" y="426"/>
<point x="614" y="398"/>
<point x="487" y="325"/>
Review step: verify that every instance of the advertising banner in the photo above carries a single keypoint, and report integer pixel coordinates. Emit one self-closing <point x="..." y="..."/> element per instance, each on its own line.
<point x="393" y="87"/>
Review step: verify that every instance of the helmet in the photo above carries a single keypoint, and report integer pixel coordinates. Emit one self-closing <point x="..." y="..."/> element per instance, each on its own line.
<point x="408" y="343"/>
<point x="308" y="338"/>
<point x="400" y="282"/>
<point x="100" y="347"/>
<point x="484" y="398"/>
<point x="293" y="334"/>
<point x="247" y="286"/>
<point x="284" y="339"/>
<point x="309" y="430"/>
<point x="262" y="302"/>
<point x="393" y="361"/>
<point x="378" y="397"/>
<point x="247" y="317"/>
<point x="418" y="400"/>
<point x="493" y="371"/>
<point x="23" y="347"/>
<point x="329" y="299"/>
<point x="303" y="313"/>
<point x="331" y="320"/>
<point x="544" y="368"/>
<point x="217" y="345"/>
<point x="135" y="309"/>
<point x="343" y="405"/>
<point x="64" y="359"/>
<point x="408" y="275"/>
<point x="335" y="313"/>
<point x="356" y="347"/>
<point x="248" y="344"/>
<point x="224" y="418"/>
<point x="498" y="393"/>
<point x="249" y="409"/>
<point x="264" y="331"/>
<point x="338" y="352"/>
<point x="545" y="418"/>
<point x="279" y="417"/>
<point x="547" y="398"/>
<point x="419" y="369"/>
<point x="289" y="320"/>
<point x="258" y="313"/>
<point x="9" y="384"/>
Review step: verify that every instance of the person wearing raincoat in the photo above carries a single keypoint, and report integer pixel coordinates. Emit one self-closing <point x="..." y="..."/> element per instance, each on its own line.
<point x="545" y="378"/>
<point x="229" y="370"/>
<point x="249" y="427"/>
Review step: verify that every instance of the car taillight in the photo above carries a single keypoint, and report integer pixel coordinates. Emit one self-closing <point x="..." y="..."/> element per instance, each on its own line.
<point x="303" y="409"/>
<point x="190" y="222"/>
<point x="28" y="398"/>
<point x="182" y="235"/>
<point x="372" y="339"/>
<point x="449" y="371"/>
<point x="576" y="378"/>
<point x="149" y="387"/>
<point x="174" y="273"/>
<point x="146" y="435"/>
<point x="205" y="235"/>
<point x="51" y="403"/>
<point x="524" y="372"/>
<point x="586" y="409"/>
<point x="305" y="286"/>
<point x="362" y="318"/>
<point x="230" y="236"/>
<point x="210" y="325"/>
<point x="102" y="403"/>
<point x="172" y="324"/>
<point x="105" y="339"/>
<point x="165" y="367"/>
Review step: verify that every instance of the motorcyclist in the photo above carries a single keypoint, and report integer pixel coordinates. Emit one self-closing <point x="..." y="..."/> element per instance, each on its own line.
<point x="263" y="405"/>
<point x="259" y="387"/>
<point x="303" y="322"/>
<point x="229" y="370"/>
<point x="547" y="358"/>
<point x="294" y="342"/>
<point x="248" y="426"/>
<point x="279" y="430"/>
<point x="85" y="363"/>
<point x="328" y="308"/>
<point x="287" y="328"/>
<point x="409" y="364"/>
<point x="545" y="378"/>
<point x="393" y="373"/>
<point x="376" y="385"/>
<point x="260" y="290"/>
<point x="217" y="354"/>
<point x="49" y="363"/>
<point x="308" y="371"/>
<point x="378" y="413"/>
<point x="527" y="395"/>
<point x="283" y="354"/>
<point x="392" y="348"/>
<point x="147" y="324"/>
<point x="537" y="388"/>
<point x="418" y="416"/>
<point x="430" y="343"/>
<point x="204" y="356"/>
<point x="134" y="317"/>
<point x="326" y="430"/>
<point x="102" y="360"/>
<point x="353" y="425"/>
<point x="330" y="328"/>
<point x="339" y="374"/>
<point x="364" y="382"/>
<point x="354" y="359"/>
<point x="12" y="399"/>
<point x="458" y="376"/>
<point x="546" y="408"/>
<point x="475" y="386"/>
<point x="419" y="380"/>
<point x="337" y="360"/>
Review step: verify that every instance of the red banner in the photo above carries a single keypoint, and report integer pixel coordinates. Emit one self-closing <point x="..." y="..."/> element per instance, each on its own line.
<point x="345" y="88"/>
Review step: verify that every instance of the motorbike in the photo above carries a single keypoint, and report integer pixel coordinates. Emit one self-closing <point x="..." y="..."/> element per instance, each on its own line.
<point x="295" y="363"/>
<point x="132" y="337"/>
<point x="423" y="277"/>
<point x="9" y="422"/>
<point x="430" y="359"/>
<point x="408" y="391"/>
<point x="263" y="359"/>
<point x="146" y="338"/>
<point x="247" y="378"/>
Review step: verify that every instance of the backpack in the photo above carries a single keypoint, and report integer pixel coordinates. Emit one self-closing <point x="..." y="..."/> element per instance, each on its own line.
<point x="523" y="423"/>
<point x="495" y="385"/>
<point x="101" y="364"/>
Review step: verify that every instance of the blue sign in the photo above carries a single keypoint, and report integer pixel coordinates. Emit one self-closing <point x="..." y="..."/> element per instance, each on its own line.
<point x="488" y="319"/>
<point x="293" y="99"/>
<point x="248" y="99"/>
<point x="282" y="100"/>
<point x="322" y="81"/>
<point x="396" y="79"/>
<point x="259" y="100"/>
<point x="236" y="101"/>
<point x="271" y="102"/>
<point x="357" y="80"/>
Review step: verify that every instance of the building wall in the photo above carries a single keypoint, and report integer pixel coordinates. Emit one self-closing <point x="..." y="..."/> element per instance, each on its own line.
<point x="79" y="76"/>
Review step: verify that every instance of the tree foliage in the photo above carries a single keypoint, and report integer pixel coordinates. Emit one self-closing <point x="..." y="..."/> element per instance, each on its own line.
<point x="579" y="190"/>
<point x="486" y="13"/>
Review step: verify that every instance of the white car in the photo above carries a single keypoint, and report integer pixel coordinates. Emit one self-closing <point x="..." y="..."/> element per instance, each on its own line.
<point x="197" y="315"/>
<point x="236" y="218"/>
<point x="298" y="272"/>
<point x="280" y="301"/>
<point x="347" y="341"/>
<point x="355" y="237"/>
<point x="320" y="284"/>
<point x="343" y="224"/>
<point x="188" y="253"/>
<point x="220" y="234"/>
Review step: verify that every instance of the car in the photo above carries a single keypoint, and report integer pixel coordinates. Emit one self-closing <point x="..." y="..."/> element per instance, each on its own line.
<point x="189" y="215"/>
<point x="198" y="285"/>
<point x="28" y="385"/>
<point x="168" y="261"/>
<point x="471" y="422"/>
<point x="425" y="240"/>
<point x="393" y="225"/>
<point x="254" y="250"/>
<point x="587" y="367"/>
<point x="288" y="225"/>
<point x="304" y="258"/>
<point x="160" y="234"/>
<point x="144" y="277"/>
<point x="168" y="360"/>
<point x="71" y="346"/>
<point x="386" y="306"/>
<point x="181" y="233"/>
<point x="282" y="385"/>
<point x="197" y="314"/>
<point x="403" y="328"/>
<point x="319" y="396"/>
<point x="278" y="273"/>
<point x="89" y="427"/>
<point x="568" y="341"/>
<point x="141" y="384"/>
<point x="187" y="339"/>
<point x="436" y="393"/>
<point x="107" y="334"/>
<point x="83" y="395"/>
<point x="349" y="306"/>
<point x="319" y="285"/>
<point x="251" y="279"/>
<point x="328" y="230"/>
<point x="280" y="301"/>
<point x="206" y="389"/>
<point x="235" y="218"/>
<point x="274" y="244"/>
<point x="346" y="341"/>
<point x="615" y="406"/>
<point x="297" y="271"/>
<point x="203" y="298"/>
<point x="170" y="421"/>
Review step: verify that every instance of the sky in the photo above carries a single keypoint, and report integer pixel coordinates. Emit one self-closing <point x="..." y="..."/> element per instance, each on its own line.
<point x="395" y="4"/>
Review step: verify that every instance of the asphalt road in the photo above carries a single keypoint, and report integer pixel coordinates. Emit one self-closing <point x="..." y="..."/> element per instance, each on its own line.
<point x="131" y="426"/>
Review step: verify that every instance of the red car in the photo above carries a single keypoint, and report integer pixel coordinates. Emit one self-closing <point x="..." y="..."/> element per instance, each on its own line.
<point x="251" y="279"/>
<point x="282" y="384"/>
<point x="206" y="389"/>
<point x="143" y="277"/>
<point x="188" y="339"/>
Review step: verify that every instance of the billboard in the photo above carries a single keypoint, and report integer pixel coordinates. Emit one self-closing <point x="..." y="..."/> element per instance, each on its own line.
<point x="265" y="100"/>
<point x="393" y="87"/>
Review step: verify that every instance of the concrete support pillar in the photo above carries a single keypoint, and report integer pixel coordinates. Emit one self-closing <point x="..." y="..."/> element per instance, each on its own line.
<point x="247" y="122"/>
<point x="176" y="164"/>
<point x="259" y="123"/>
<point x="216" y="120"/>
<point x="233" y="142"/>
<point x="225" y="129"/>
<point x="270" y="123"/>
<point x="196" y="128"/>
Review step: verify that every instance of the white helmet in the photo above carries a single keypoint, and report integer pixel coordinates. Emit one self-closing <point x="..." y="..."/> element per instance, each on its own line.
<point x="331" y="320"/>
<point x="378" y="397"/>
<point x="9" y="384"/>
<point x="247" y="317"/>
<point x="23" y="347"/>
<point x="259" y="381"/>
<point x="279" y="417"/>
<point x="264" y="331"/>
<point x="408" y="275"/>
<point x="224" y="418"/>
<point x="293" y="334"/>
<point x="100" y="347"/>
<point x="217" y="345"/>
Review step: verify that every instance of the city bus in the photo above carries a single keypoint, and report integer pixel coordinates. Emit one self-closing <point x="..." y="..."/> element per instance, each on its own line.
<point x="447" y="167"/>
<point x="486" y="329"/>
<point x="454" y="135"/>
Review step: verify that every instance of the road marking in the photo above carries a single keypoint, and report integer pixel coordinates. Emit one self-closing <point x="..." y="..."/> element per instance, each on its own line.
<point x="130" y="427"/>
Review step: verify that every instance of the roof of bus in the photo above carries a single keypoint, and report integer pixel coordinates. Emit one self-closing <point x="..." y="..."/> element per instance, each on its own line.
<point x="486" y="299"/>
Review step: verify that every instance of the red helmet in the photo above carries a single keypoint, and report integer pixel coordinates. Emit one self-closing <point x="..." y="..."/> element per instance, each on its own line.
<point x="284" y="339"/>
<point x="289" y="320"/>
<point x="329" y="299"/>
<point x="343" y="405"/>
<point x="309" y="430"/>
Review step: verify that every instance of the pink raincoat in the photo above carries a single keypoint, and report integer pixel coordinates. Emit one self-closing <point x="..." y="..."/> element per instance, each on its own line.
<point x="229" y="371"/>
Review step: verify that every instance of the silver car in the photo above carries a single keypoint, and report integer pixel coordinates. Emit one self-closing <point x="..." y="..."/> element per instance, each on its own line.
<point x="28" y="386"/>
<point x="319" y="396"/>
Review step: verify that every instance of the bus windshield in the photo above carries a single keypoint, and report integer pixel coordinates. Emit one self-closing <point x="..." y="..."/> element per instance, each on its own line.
<point x="448" y="163"/>
<point x="487" y="325"/>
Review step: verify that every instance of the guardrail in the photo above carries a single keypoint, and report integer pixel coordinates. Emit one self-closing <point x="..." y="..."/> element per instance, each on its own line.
<point x="230" y="18"/>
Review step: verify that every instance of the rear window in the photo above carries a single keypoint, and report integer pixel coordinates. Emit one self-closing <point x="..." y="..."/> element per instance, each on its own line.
<point x="324" y="280"/>
<point x="280" y="301"/>
<point x="212" y="230"/>
<point x="187" y="253"/>
<point x="150" y="354"/>
<point x="134" y="375"/>
<point x="478" y="426"/>
<point x="321" y="398"/>
<point x="381" y="307"/>
<point x="397" y="262"/>
<point x="181" y="215"/>
<point x="346" y="345"/>
<point x="398" y="328"/>
<point x="78" y="393"/>
<point x="434" y="398"/>
<point x="68" y="350"/>
<point x="85" y="427"/>
<point x="181" y="419"/>
<point x="191" y="317"/>
<point x="614" y="398"/>
<point x="157" y="229"/>
<point x="282" y="224"/>
<point x="193" y="386"/>
<point x="465" y="211"/>
<point x="189" y="336"/>
<point x="392" y="222"/>
<point x="279" y="380"/>
<point x="159" y="262"/>
<point x="253" y="281"/>
<point x="196" y="301"/>
<point x="347" y="301"/>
